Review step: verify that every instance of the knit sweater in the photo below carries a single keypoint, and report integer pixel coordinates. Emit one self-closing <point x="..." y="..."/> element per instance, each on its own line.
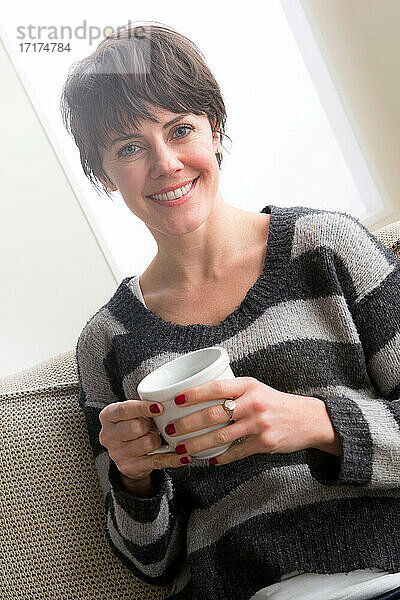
<point x="322" y="320"/>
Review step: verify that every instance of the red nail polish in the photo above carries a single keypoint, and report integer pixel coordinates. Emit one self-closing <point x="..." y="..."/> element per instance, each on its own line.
<point x="213" y="461"/>
<point x="180" y="449"/>
<point x="185" y="460"/>
<point x="180" y="399"/>
<point x="170" y="429"/>
<point x="154" y="408"/>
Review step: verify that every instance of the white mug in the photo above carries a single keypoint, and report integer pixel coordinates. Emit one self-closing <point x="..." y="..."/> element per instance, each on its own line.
<point x="178" y="375"/>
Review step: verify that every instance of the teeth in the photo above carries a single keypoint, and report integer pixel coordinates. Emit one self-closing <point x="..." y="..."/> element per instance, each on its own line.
<point x="175" y="194"/>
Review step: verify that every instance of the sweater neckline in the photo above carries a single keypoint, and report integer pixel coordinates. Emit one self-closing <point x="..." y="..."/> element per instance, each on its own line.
<point x="254" y="302"/>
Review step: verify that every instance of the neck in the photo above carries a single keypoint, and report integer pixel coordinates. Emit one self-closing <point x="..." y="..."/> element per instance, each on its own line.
<point x="202" y="256"/>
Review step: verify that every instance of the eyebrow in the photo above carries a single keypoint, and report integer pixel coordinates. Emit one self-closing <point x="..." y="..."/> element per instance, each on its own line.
<point x="136" y="134"/>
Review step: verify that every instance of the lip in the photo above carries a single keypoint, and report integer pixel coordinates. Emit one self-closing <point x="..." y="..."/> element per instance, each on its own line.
<point x="180" y="200"/>
<point x="171" y="189"/>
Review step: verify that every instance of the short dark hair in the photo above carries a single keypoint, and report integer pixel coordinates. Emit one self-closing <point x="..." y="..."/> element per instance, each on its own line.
<point x="106" y="92"/>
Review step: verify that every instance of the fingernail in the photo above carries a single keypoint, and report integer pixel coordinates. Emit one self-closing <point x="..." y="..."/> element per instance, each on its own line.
<point x="180" y="399"/>
<point x="185" y="460"/>
<point x="170" y="429"/>
<point x="213" y="461"/>
<point x="154" y="408"/>
<point x="180" y="449"/>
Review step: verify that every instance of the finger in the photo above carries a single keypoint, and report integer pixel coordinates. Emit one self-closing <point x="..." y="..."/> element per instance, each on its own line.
<point x="129" y="409"/>
<point x="166" y="461"/>
<point x="147" y="464"/>
<point x="140" y="464"/>
<point x="243" y="448"/>
<point x="218" y="437"/>
<point x="134" y="428"/>
<point x="141" y="446"/>
<point x="207" y="417"/>
<point x="219" y="388"/>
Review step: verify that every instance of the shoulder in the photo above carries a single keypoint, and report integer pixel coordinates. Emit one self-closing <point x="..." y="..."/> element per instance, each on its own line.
<point x="346" y="241"/>
<point x="102" y="326"/>
<point x="311" y="227"/>
<point x="317" y="227"/>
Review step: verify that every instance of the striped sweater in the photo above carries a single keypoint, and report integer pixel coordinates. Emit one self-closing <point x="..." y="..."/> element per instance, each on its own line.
<point x="323" y="320"/>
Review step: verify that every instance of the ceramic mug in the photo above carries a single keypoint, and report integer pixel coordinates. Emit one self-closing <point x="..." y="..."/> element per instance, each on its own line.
<point x="178" y="375"/>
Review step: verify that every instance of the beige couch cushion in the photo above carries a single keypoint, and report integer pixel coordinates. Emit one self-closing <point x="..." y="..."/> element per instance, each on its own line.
<point x="390" y="237"/>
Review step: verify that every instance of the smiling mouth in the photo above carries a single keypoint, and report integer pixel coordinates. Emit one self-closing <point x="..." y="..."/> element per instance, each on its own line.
<point x="176" y="194"/>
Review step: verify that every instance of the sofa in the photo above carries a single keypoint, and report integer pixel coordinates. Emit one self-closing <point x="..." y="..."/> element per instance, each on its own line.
<point x="53" y="544"/>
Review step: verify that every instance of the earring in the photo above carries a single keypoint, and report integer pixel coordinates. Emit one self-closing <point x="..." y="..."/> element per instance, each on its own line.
<point x="219" y="157"/>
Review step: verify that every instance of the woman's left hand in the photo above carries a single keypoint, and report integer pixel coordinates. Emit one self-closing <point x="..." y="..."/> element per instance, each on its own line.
<point x="270" y="420"/>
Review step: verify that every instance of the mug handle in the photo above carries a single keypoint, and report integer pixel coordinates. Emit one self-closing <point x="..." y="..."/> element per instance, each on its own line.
<point x="163" y="450"/>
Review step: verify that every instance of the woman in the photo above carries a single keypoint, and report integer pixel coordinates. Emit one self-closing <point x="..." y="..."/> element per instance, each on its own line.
<point x="305" y="504"/>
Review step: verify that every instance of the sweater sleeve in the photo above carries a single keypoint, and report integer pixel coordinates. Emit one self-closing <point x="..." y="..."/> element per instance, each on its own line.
<point x="368" y="425"/>
<point x="146" y="534"/>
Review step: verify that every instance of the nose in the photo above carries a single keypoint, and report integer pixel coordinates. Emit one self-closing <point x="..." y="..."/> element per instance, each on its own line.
<point x="164" y="160"/>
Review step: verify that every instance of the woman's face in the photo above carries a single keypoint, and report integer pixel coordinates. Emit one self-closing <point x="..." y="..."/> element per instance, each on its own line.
<point x="165" y="155"/>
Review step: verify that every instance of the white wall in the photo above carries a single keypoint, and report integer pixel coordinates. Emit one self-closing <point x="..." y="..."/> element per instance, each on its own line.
<point x="54" y="274"/>
<point x="360" y="44"/>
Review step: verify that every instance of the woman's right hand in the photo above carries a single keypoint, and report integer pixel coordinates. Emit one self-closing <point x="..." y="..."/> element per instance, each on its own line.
<point x="129" y="433"/>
